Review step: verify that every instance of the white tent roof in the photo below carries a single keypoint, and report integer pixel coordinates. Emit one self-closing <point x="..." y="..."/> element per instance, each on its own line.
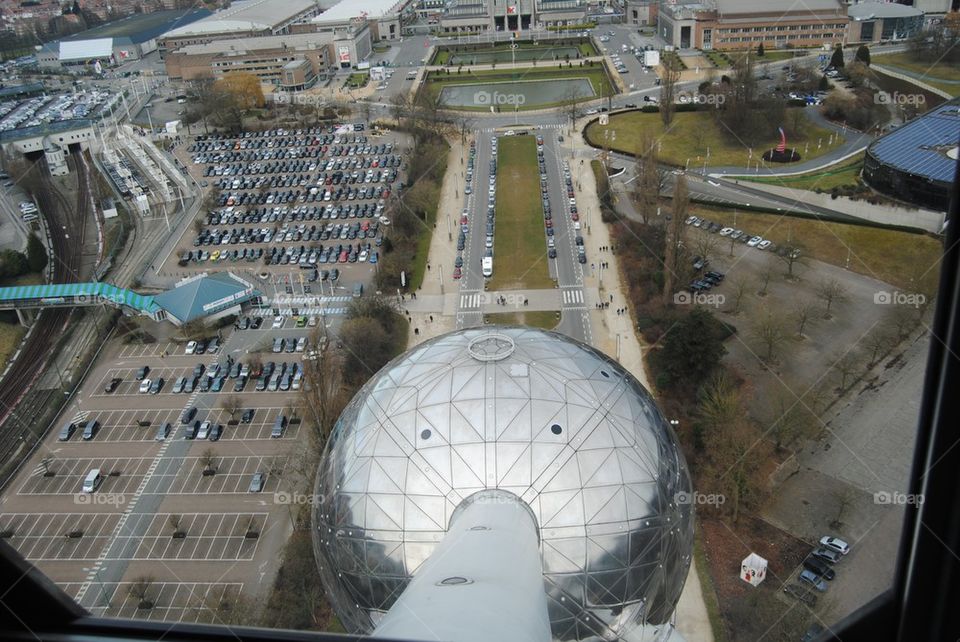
<point x="86" y="49"/>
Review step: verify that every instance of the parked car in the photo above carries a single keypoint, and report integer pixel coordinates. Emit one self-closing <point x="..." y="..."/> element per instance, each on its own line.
<point x="142" y="373"/>
<point x="257" y="482"/>
<point x="247" y="415"/>
<point x="90" y="429"/>
<point x="835" y="544"/>
<point x="811" y="578"/>
<point x="819" y="567"/>
<point x="145" y="386"/>
<point x="188" y="414"/>
<point x="156" y="386"/>
<point x="827" y="554"/>
<point x="112" y="385"/>
<point x="164" y="431"/>
<point x="204" y="431"/>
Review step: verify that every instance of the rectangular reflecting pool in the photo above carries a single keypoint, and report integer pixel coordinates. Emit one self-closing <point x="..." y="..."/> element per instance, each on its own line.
<point x="508" y="95"/>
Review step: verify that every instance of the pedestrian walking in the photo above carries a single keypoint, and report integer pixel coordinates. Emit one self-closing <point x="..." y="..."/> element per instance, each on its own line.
<point x="416" y="331"/>
<point x="431" y="318"/>
<point x="611" y="297"/>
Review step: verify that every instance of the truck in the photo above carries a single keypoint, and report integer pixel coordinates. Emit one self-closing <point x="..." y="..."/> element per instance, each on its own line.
<point x="651" y="58"/>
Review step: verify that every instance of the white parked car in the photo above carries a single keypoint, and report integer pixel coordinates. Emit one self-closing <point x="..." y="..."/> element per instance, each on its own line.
<point x="191" y="347"/>
<point x="835" y="544"/>
<point x="726" y="231"/>
<point x="277" y="322"/>
<point x="755" y="241"/>
<point x="145" y="386"/>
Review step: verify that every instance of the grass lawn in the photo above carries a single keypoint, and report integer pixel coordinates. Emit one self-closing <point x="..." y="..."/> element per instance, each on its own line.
<point x="905" y="60"/>
<point x="444" y="52"/>
<point x="893" y="257"/>
<point x="545" y="319"/>
<point x="772" y="56"/>
<point x="684" y="141"/>
<point x="358" y="80"/>
<point x="835" y="176"/>
<point x="519" y="243"/>
<point x="10" y="336"/>
<point x="435" y="82"/>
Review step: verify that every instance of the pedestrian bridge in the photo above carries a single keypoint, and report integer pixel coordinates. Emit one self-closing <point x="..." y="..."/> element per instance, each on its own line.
<point x="199" y="296"/>
<point x="27" y="297"/>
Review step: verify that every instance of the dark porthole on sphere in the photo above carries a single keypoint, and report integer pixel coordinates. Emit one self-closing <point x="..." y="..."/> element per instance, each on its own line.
<point x="556" y="429"/>
<point x="604" y="373"/>
<point x="425" y="434"/>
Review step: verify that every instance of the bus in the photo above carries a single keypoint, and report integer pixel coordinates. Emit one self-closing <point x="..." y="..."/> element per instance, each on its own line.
<point x="487" y="265"/>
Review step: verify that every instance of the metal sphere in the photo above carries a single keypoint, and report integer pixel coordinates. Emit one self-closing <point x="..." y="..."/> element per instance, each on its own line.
<point x="535" y="413"/>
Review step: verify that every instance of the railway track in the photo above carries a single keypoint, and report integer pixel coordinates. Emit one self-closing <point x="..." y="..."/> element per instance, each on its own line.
<point x="66" y="226"/>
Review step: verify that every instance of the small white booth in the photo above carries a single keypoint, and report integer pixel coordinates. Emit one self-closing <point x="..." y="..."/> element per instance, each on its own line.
<point x="753" y="569"/>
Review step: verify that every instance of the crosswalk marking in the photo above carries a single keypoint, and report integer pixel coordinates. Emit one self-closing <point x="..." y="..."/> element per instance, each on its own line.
<point x="573" y="297"/>
<point x="474" y="300"/>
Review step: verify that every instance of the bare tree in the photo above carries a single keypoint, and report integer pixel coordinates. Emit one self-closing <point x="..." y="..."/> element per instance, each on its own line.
<point x="901" y="320"/>
<point x="674" y="240"/>
<point x="231" y="405"/>
<point x="791" y="255"/>
<point x="650" y="177"/>
<point x="571" y="98"/>
<point x="175" y="521"/>
<point x="740" y="286"/>
<point x="719" y="404"/>
<point x="790" y="420"/>
<point x="323" y="393"/>
<point x="878" y="341"/>
<point x="803" y="314"/>
<point x="668" y="88"/>
<point x="208" y="459"/>
<point x="140" y="591"/>
<point x="846" y="366"/>
<point x="705" y="245"/>
<point x="764" y="281"/>
<point x="771" y="332"/>
<point x="831" y="291"/>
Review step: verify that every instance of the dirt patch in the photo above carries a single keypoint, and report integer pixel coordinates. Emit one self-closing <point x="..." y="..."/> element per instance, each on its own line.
<point x="748" y="612"/>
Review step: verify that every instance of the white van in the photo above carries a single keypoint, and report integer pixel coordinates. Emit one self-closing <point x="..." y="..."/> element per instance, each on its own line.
<point x="486" y="264"/>
<point x="92" y="481"/>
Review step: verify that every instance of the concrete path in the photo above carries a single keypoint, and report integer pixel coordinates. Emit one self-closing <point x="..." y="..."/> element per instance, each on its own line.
<point x="927" y="220"/>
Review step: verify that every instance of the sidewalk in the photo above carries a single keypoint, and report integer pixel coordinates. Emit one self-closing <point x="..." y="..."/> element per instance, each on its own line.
<point x="443" y="250"/>
<point x="610" y="329"/>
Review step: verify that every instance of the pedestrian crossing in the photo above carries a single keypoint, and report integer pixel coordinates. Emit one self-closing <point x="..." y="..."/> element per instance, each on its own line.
<point x="472" y="301"/>
<point x="573" y="298"/>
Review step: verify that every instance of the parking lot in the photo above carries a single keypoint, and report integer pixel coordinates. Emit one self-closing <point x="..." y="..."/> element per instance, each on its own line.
<point x="155" y="483"/>
<point x="307" y="200"/>
<point x="172" y="601"/>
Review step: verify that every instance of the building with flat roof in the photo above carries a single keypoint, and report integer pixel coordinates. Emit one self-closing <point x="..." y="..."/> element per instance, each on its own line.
<point x="116" y="42"/>
<point x="472" y="16"/>
<point x="745" y="24"/>
<point x="385" y="17"/>
<point x="243" y="19"/>
<point x="918" y="161"/>
<point x="883" y="21"/>
<point x="269" y="57"/>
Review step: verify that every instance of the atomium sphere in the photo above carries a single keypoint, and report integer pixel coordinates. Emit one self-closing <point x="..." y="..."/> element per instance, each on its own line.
<point x="535" y="413"/>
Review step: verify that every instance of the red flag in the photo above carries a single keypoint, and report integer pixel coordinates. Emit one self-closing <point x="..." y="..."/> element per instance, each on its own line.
<point x="512" y="9"/>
